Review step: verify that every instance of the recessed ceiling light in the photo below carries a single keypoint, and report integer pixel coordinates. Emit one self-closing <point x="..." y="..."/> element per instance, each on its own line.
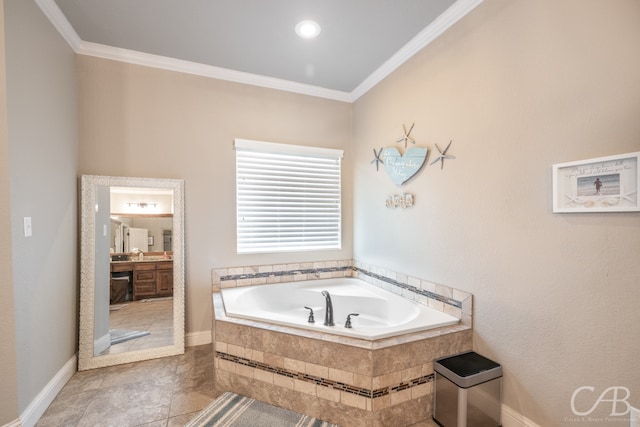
<point x="308" y="29"/>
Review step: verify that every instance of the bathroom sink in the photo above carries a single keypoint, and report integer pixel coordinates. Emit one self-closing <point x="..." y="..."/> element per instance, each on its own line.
<point x="120" y="258"/>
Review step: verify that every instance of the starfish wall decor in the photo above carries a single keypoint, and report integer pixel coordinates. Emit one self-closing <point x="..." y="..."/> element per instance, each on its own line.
<point x="377" y="158"/>
<point x="443" y="155"/>
<point x="402" y="166"/>
<point x="406" y="137"/>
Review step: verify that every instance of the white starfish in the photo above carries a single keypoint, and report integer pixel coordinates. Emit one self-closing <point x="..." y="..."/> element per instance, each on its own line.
<point x="378" y="158"/>
<point x="628" y="197"/>
<point x="406" y="137"/>
<point x="443" y="155"/>
<point x="573" y="200"/>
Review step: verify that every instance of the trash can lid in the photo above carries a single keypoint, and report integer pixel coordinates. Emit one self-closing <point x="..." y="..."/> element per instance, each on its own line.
<point x="467" y="369"/>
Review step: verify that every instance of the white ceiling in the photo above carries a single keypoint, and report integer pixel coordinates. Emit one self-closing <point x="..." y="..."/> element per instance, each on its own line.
<point x="254" y="42"/>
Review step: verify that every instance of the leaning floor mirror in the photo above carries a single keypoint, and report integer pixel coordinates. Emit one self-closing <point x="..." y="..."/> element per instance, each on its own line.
<point x="131" y="270"/>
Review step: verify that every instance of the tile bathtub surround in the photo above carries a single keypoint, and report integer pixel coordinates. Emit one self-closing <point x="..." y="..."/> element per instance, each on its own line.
<point x="408" y="413"/>
<point x="303" y="373"/>
<point x="277" y="273"/>
<point x="440" y="297"/>
<point x="345" y="380"/>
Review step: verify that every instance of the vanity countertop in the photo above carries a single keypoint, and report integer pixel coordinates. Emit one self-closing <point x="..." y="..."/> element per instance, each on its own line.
<point x="150" y="259"/>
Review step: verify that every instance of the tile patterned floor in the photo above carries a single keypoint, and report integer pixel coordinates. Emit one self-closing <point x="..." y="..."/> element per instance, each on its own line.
<point x="163" y="392"/>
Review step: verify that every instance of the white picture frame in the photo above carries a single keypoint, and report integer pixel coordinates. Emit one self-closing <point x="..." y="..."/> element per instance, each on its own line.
<point x="603" y="184"/>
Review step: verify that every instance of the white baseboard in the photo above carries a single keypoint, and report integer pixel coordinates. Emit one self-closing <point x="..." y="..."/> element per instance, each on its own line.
<point x="36" y="408"/>
<point x="511" y="418"/>
<point x="193" y="339"/>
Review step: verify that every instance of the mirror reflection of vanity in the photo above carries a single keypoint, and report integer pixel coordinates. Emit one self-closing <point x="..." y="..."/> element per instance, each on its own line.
<point x="132" y="270"/>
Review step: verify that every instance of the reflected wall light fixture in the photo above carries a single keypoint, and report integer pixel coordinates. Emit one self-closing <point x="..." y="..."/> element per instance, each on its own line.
<point x="142" y="205"/>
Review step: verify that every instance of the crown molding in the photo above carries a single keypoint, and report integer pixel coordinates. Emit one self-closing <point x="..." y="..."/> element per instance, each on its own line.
<point x="452" y="15"/>
<point x="188" y="67"/>
<point x="60" y="22"/>
<point x="441" y="24"/>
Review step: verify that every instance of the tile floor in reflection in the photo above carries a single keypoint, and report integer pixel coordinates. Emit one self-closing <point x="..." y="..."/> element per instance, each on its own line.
<point x="163" y="392"/>
<point x="154" y="316"/>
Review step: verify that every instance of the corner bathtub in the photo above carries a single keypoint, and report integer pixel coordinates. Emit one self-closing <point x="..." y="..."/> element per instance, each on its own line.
<point x="382" y="314"/>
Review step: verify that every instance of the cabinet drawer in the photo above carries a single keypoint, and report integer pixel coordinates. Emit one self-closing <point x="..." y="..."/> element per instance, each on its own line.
<point x="144" y="275"/>
<point x="165" y="265"/>
<point x="144" y="266"/>
<point x="121" y="266"/>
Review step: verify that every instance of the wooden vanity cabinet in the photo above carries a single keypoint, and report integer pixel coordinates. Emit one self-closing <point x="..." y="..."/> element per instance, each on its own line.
<point x="151" y="279"/>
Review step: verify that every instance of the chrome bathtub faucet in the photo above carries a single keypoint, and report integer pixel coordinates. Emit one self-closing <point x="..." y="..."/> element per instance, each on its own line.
<point x="311" y="318"/>
<point x="328" y="313"/>
<point x="347" y="324"/>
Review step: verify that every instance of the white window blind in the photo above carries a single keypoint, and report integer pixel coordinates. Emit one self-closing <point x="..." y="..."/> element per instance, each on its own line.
<point x="288" y="197"/>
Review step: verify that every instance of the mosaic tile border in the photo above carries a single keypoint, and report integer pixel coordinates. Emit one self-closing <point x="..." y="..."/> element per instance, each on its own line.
<point x="324" y="382"/>
<point x="410" y="288"/>
<point x="300" y="271"/>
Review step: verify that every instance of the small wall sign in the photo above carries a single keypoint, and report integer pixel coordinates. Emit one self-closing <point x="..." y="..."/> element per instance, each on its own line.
<point x="404" y="201"/>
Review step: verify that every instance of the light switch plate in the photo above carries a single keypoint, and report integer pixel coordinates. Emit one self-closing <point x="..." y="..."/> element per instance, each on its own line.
<point x="28" y="232"/>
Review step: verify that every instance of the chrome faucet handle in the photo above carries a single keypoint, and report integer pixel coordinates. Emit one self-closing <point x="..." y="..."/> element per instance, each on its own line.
<point x="347" y="324"/>
<point x="311" y="319"/>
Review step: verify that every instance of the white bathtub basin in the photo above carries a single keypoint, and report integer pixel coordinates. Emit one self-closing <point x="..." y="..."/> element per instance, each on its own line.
<point x="382" y="314"/>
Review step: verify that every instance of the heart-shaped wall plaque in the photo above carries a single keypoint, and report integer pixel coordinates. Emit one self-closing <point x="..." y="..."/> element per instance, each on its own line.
<point x="402" y="167"/>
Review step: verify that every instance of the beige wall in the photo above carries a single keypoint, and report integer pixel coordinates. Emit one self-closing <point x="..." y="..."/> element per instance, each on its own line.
<point x="8" y="367"/>
<point x="138" y="121"/>
<point x="42" y="134"/>
<point x="518" y="86"/>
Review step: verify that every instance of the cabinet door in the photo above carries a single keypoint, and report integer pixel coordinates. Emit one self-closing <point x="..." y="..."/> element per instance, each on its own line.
<point x="165" y="283"/>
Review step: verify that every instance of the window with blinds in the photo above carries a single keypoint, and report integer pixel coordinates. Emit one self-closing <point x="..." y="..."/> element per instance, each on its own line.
<point x="288" y="197"/>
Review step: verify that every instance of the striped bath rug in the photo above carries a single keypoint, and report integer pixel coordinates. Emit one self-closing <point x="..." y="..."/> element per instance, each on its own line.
<point x="233" y="410"/>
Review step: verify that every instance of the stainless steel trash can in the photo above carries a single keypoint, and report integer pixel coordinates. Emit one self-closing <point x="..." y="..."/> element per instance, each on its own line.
<point x="468" y="391"/>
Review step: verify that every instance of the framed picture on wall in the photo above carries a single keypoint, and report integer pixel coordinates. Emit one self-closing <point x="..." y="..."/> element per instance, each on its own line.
<point x="603" y="184"/>
<point x="150" y="240"/>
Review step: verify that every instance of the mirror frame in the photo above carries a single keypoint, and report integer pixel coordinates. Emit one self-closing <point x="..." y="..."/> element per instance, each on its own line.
<point x="86" y="358"/>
